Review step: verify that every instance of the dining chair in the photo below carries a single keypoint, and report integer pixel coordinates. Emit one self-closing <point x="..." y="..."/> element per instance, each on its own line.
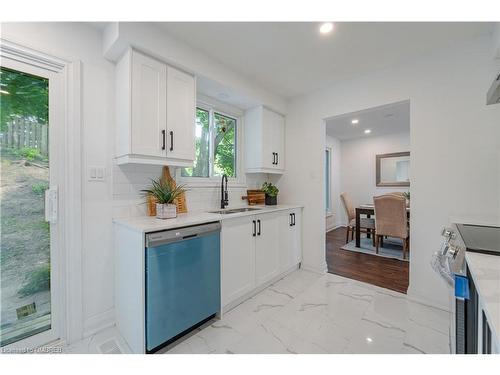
<point x="367" y="225"/>
<point x="390" y="211"/>
<point x="396" y="193"/>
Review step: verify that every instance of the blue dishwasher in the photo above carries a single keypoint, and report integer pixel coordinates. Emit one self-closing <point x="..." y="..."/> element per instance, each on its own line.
<point x="182" y="281"/>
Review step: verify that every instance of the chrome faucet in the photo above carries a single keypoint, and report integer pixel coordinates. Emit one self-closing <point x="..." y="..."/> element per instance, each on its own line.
<point x="224" y="196"/>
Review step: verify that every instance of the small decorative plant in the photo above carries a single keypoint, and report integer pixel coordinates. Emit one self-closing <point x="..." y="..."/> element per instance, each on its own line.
<point x="271" y="192"/>
<point x="406" y="194"/>
<point x="165" y="194"/>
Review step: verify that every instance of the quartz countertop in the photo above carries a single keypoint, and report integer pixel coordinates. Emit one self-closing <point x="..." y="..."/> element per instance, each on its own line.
<point x="485" y="270"/>
<point x="146" y="224"/>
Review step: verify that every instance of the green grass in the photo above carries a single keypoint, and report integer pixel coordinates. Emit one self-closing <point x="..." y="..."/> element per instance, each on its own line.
<point x="36" y="281"/>
<point x="39" y="187"/>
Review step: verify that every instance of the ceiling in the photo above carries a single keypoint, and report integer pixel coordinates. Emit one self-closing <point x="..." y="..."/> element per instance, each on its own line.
<point x="293" y="58"/>
<point x="383" y="120"/>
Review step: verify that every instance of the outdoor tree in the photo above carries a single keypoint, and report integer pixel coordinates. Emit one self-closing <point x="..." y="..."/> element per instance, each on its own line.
<point x="22" y="95"/>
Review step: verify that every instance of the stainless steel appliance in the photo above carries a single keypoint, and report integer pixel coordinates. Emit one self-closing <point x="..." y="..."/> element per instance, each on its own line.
<point x="493" y="95"/>
<point x="182" y="281"/>
<point x="450" y="263"/>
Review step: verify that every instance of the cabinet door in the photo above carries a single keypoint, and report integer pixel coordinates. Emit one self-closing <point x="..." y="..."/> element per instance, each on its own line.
<point x="148" y="101"/>
<point x="279" y="140"/>
<point x="285" y="252"/>
<point x="296" y="237"/>
<point x="238" y="258"/>
<point x="273" y="134"/>
<point x="267" y="248"/>
<point x="181" y="106"/>
<point x="290" y="245"/>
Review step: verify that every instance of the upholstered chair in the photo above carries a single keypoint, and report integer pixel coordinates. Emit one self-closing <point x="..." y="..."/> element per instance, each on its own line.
<point x="366" y="225"/>
<point x="390" y="211"/>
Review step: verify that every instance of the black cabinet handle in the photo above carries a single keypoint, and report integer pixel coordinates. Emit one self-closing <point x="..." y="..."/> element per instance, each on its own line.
<point x="258" y="222"/>
<point x="277" y="158"/>
<point x="291" y="219"/>
<point x="254" y="228"/>
<point x="163" y="138"/>
<point x="171" y="140"/>
<point x="274" y="158"/>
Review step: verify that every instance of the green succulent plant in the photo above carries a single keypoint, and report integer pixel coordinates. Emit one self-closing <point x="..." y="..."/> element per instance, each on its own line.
<point x="163" y="191"/>
<point x="406" y="194"/>
<point x="270" y="189"/>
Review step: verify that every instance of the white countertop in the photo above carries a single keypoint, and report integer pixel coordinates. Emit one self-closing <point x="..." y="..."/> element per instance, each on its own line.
<point x="145" y="224"/>
<point x="485" y="270"/>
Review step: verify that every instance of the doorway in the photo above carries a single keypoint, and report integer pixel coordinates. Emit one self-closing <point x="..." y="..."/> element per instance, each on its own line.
<point x="30" y="236"/>
<point x="363" y="142"/>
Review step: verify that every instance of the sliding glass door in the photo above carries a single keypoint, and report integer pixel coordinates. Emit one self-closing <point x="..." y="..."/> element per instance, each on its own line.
<point x="28" y="234"/>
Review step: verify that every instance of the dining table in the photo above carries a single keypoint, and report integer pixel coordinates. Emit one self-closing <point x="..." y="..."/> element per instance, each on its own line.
<point x="367" y="209"/>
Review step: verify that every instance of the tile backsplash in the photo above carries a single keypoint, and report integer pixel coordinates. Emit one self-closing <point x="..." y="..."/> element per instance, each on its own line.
<point x="129" y="180"/>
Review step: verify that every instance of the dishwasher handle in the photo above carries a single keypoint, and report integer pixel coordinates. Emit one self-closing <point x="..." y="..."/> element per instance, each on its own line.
<point x="180" y="234"/>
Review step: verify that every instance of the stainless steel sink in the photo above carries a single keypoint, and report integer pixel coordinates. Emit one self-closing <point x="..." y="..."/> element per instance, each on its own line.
<point x="234" y="210"/>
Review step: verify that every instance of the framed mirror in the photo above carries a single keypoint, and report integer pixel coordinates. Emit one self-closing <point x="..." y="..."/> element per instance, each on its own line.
<point x="393" y="169"/>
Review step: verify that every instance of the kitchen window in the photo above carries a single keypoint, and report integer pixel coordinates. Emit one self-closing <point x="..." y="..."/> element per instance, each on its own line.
<point x="216" y="148"/>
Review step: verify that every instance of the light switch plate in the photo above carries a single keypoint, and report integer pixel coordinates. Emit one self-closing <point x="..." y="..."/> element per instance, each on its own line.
<point x="96" y="173"/>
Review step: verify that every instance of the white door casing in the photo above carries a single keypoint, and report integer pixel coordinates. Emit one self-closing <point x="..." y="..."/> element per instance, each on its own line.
<point x="65" y="175"/>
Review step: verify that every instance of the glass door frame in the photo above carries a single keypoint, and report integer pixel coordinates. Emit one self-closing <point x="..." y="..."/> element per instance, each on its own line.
<point x="65" y="166"/>
<point x="55" y="280"/>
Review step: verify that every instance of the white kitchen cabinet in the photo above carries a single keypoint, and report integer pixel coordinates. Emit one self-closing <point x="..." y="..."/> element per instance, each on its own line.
<point x="267" y="261"/>
<point x="181" y="105"/>
<point x="290" y="246"/>
<point x="155" y="112"/>
<point x="264" y="141"/>
<point x="238" y="258"/>
<point x="256" y="250"/>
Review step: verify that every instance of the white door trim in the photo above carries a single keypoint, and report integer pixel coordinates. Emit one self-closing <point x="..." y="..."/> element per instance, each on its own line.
<point x="70" y="183"/>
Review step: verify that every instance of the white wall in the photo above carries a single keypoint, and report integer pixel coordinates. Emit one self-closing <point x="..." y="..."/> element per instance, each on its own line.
<point x="119" y="193"/>
<point x="455" y="140"/>
<point x="358" y="166"/>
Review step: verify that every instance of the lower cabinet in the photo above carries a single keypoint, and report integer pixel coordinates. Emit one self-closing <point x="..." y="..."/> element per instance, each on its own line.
<point x="257" y="249"/>
<point x="267" y="239"/>
<point x="290" y="247"/>
<point x="238" y="258"/>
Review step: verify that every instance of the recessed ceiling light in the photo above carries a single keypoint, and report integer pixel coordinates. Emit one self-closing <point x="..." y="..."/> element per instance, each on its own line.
<point x="355" y="121"/>
<point x="367" y="131"/>
<point x="326" y="28"/>
<point x="369" y="339"/>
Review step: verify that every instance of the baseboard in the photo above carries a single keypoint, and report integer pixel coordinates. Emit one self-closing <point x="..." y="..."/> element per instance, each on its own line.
<point x="335" y="227"/>
<point x="318" y="270"/>
<point x="98" y="322"/>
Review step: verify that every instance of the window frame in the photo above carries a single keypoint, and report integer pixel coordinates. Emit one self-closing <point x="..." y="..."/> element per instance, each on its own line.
<point x="212" y="106"/>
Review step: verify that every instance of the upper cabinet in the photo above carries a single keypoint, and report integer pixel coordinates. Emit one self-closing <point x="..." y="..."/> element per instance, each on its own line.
<point x="155" y="112"/>
<point x="264" y="141"/>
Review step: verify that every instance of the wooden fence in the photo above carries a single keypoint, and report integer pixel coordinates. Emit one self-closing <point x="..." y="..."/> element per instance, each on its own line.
<point x="22" y="132"/>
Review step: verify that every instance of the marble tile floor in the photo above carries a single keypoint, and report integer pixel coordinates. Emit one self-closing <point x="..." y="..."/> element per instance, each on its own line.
<point x="310" y="313"/>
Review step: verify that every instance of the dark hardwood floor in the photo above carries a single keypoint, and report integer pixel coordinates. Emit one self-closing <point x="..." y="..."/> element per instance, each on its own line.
<point x="384" y="272"/>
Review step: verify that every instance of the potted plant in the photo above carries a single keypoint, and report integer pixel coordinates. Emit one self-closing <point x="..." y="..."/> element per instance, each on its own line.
<point x="271" y="192"/>
<point x="164" y="193"/>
